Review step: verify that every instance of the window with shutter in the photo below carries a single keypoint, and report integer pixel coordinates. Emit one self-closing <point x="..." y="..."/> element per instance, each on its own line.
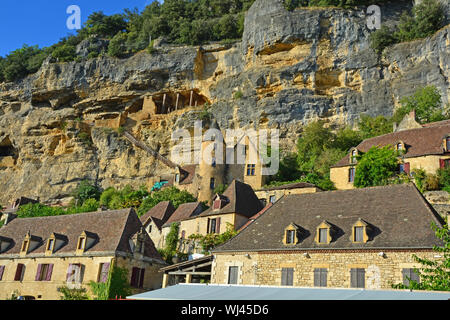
<point x="351" y="174"/>
<point x="287" y="276"/>
<point x="104" y="272"/>
<point x="357" y="278"/>
<point x="49" y="273"/>
<point x="141" y="278"/>
<point x="2" y="270"/>
<point x="410" y="275"/>
<point x="134" y="277"/>
<point x="19" y="272"/>
<point x="233" y="275"/>
<point x="320" y="277"/>
<point x="218" y="225"/>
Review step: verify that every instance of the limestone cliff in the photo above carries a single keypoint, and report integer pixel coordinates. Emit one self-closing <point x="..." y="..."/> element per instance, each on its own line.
<point x="57" y="126"/>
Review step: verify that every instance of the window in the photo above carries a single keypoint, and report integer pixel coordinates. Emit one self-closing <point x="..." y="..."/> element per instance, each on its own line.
<point x="358" y="234"/>
<point x="351" y="174"/>
<point x="353" y="156"/>
<point x="51" y="245"/>
<point x="410" y="275"/>
<point x="2" y="270"/>
<point x="74" y="273"/>
<point x="251" y="169"/>
<point x="399" y="146"/>
<point x="20" y="271"/>
<point x="183" y="234"/>
<point x="214" y="162"/>
<point x="323" y="235"/>
<point x="212" y="183"/>
<point x="233" y="275"/>
<point x="103" y="272"/>
<point x="137" y="278"/>
<point x="81" y="243"/>
<point x="447" y="144"/>
<point x="287" y="276"/>
<point x="272" y="199"/>
<point x="290" y="237"/>
<point x="320" y="277"/>
<point x="401" y="168"/>
<point x="44" y="272"/>
<point x="177" y="178"/>
<point x="25" y="246"/>
<point x="445" y="163"/>
<point x="357" y="278"/>
<point x="214" y="225"/>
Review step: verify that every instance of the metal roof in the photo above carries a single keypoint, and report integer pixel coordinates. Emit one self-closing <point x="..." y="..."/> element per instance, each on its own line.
<point x="238" y="292"/>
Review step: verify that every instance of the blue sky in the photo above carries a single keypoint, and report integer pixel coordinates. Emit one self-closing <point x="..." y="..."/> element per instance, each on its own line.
<point x="43" y="22"/>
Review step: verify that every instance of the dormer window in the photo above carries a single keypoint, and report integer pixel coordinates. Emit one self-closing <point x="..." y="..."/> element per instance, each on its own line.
<point x="447" y="144"/>
<point x="359" y="232"/>
<point x="86" y="241"/>
<point x="54" y="243"/>
<point x="400" y="147"/>
<point x="51" y="245"/>
<point x="4" y="244"/>
<point x="25" y="246"/>
<point x="29" y="244"/>
<point x="291" y="235"/>
<point x="323" y="233"/>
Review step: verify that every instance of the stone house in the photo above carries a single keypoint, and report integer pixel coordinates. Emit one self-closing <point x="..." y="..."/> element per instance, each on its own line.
<point x="273" y="194"/>
<point x="361" y="238"/>
<point x="424" y="147"/>
<point x="234" y="207"/>
<point x="154" y="220"/>
<point x="39" y="255"/>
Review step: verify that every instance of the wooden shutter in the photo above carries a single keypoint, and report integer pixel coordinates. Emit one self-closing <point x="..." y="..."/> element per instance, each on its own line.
<point x="38" y="273"/>
<point x="290" y="277"/>
<point x="19" y="270"/>
<point x="207" y="227"/>
<point x="141" y="279"/>
<point x="2" y="269"/>
<point x="105" y="272"/>
<point x="442" y="163"/>
<point x="406" y="276"/>
<point x="218" y="225"/>
<point x="323" y="277"/>
<point x="134" y="276"/>
<point x="316" y="277"/>
<point x="232" y="275"/>
<point x="283" y="276"/>
<point x="69" y="273"/>
<point x="361" y="278"/>
<point x="353" y="278"/>
<point x="48" y="276"/>
<point x="407" y="168"/>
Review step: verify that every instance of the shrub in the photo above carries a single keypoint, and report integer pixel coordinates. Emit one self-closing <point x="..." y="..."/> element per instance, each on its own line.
<point x="86" y="190"/>
<point x="382" y="38"/>
<point x="73" y="294"/>
<point x="238" y="95"/>
<point x="117" y="46"/>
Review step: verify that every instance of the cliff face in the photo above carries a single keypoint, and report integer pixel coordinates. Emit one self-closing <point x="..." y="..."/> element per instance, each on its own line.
<point x="57" y="126"/>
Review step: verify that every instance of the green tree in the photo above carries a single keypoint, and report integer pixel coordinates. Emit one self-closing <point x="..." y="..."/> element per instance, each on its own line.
<point x="172" y="194"/>
<point x="118" y="45"/>
<point x="212" y="240"/>
<point x="101" y="25"/>
<point x="170" y="250"/>
<point x="372" y="127"/>
<point x="73" y="294"/>
<point x="382" y="38"/>
<point x="116" y="286"/>
<point x="376" y="167"/>
<point x="427" y="104"/>
<point x="86" y="190"/>
<point x="434" y="274"/>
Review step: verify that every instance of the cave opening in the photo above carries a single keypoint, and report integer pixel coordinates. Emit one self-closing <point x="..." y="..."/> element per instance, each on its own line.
<point x="168" y="102"/>
<point x="7" y="149"/>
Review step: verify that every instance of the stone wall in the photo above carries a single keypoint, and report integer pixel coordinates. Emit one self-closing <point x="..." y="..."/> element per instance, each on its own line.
<point x="264" y="268"/>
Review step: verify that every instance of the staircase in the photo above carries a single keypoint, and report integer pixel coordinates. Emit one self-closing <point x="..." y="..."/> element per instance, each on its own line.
<point x="146" y="148"/>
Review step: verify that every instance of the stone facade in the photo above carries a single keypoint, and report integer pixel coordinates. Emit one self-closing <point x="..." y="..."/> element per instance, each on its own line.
<point x="264" y="268"/>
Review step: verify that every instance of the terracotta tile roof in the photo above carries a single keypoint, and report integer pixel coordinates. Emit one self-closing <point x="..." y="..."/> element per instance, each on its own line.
<point x="190" y="170"/>
<point x="241" y="200"/>
<point x="418" y="142"/>
<point x="113" y="229"/>
<point x="399" y="215"/>
<point x="185" y="211"/>
<point x="159" y="214"/>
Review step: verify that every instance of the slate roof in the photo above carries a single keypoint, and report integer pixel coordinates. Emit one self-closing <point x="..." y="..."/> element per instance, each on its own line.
<point x="399" y="215"/>
<point x="185" y="211"/>
<point x="159" y="214"/>
<point x="190" y="170"/>
<point x="418" y="142"/>
<point x="241" y="200"/>
<point x="113" y="229"/>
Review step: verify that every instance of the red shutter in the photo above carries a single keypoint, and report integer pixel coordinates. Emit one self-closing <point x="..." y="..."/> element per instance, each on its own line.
<point x="442" y="163"/>
<point x="218" y="225"/>
<point x="207" y="227"/>
<point x="48" y="276"/>
<point x="2" y="269"/>
<point x="407" y="168"/>
<point x="38" y="273"/>
<point x="134" y="275"/>
<point x="141" y="280"/>
<point x="19" y="270"/>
